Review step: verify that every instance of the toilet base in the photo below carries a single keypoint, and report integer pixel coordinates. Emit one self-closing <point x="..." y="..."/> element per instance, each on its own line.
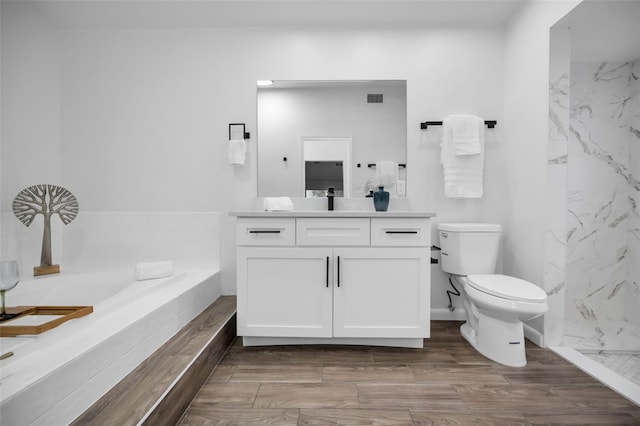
<point x="498" y="340"/>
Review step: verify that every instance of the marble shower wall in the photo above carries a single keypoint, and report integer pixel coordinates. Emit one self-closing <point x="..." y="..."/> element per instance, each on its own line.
<point x="555" y="247"/>
<point x="633" y="301"/>
<point x="602" y="291"/>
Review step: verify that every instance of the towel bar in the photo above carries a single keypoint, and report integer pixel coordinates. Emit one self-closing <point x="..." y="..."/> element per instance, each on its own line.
<point x="424" y="125"/>
<point x="401" y="165"/>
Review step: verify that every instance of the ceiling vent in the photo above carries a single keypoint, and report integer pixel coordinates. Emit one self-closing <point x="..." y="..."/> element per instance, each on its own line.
<point x="374" y="98"/>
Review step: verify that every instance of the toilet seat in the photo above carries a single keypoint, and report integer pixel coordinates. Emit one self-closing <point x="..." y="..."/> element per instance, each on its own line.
<point x="506" y="287"/>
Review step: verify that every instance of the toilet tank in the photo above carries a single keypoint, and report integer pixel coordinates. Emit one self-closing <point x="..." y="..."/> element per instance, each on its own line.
<point x="469" y="248"/>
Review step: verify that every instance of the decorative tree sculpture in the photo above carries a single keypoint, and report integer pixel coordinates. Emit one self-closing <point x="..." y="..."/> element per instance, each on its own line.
<point x="46" y="200"/>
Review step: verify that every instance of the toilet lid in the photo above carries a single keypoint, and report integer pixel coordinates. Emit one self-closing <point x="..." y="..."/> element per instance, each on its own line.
<point x="507" y="287"/>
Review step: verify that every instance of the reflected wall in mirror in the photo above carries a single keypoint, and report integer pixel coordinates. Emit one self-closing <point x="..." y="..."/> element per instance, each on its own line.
<point x="327" y="129"/>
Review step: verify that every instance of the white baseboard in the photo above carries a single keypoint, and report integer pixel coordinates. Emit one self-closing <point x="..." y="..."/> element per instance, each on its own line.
<point x="444" y="314"/>
<point x="534" y="335"/>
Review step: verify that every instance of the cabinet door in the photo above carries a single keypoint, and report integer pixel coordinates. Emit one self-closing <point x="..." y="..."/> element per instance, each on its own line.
<point x="381" y="292"/>
<point x="284" y="292"/>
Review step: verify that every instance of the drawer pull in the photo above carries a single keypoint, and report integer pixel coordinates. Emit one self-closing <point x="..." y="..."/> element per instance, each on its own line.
<point x="327" y="271"/>
<point x="268" y="231"/>
<point x="338" y="271"/>
<point x="401" y="232"/>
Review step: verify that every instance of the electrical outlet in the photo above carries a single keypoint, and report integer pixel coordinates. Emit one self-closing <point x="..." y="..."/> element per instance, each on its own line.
<point x="401" y="189"/>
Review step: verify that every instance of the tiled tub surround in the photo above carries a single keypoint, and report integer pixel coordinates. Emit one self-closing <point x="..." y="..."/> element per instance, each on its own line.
<point x="603" y="233"/>
<point x="55" y="376"/>
<point x="106" y="241"/>
<point x="82" y="359"/>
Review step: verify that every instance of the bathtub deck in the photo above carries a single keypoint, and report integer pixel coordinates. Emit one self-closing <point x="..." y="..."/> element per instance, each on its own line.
<point x="163" y="385"/>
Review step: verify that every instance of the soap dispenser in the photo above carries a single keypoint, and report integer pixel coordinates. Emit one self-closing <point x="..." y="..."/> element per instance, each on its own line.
<point x="330" y="194"/>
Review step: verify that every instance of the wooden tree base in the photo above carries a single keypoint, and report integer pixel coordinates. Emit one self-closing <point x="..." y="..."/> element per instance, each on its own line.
<point x="46" y="270"/>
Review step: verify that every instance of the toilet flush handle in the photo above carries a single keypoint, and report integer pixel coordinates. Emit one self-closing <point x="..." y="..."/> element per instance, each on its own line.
<point x="444" y="235"/>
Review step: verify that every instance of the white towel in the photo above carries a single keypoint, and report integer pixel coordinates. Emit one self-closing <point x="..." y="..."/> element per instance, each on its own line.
<point x="462" y="173"/>
<point x="278" y="203"/>
<point x="466" y="131"/>
<point x="151" y="270"/>
<point x="387" y="174"/>
<point x="387" y="168"/>
<point x="237" y="151"/>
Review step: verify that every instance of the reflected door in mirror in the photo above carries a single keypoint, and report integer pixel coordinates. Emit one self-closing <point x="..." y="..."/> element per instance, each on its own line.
<point x="319" y="176"/>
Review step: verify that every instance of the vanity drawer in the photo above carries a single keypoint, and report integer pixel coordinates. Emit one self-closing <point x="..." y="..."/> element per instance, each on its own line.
<point x="400" y="232"/>
<point x="332" y="231"/>
<point x="266" y="232"/>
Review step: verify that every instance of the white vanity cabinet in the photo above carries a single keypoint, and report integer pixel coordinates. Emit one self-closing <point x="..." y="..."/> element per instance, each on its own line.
<point x="333" y="279"/>
<point x="284" y="292"/>
<point x="381" y="293"/>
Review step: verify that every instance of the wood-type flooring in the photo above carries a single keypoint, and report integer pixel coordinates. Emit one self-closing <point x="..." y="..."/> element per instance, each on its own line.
<point x="446" y="382"/>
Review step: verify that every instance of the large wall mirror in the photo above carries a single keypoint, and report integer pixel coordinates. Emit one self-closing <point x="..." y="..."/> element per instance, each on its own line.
<point x="313" y="135"/>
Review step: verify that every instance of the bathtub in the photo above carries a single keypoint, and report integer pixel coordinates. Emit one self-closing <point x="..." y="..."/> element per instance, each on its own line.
<point x="55" y="376"/>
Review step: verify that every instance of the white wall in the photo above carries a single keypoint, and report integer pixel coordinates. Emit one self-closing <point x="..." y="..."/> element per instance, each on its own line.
<point x="526" y="130"/>
<point x="30" y="128"/>
<point x="30" y="100"/>
<point x="144" y="116"/>
<point x="145" y="112"/>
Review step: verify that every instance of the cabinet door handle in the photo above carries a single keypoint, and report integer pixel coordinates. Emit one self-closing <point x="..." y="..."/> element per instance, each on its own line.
<point x="338" y="271"/>
<point x="327" y="271"/>
<point x="401" y="232"/>
<point x="267" y="231"/>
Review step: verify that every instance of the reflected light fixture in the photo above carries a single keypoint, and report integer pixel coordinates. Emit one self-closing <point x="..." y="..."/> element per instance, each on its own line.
<point x="265" y="82"/>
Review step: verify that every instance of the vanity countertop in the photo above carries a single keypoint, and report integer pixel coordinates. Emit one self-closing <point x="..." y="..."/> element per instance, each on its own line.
<point x="333" y="213"/>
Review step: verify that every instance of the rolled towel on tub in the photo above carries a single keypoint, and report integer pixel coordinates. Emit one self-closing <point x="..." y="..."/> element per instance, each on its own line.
<point x="151" y="270"/>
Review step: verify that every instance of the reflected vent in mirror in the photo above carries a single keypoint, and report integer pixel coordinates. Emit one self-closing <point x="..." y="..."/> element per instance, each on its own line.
<point x="374" y="98"/>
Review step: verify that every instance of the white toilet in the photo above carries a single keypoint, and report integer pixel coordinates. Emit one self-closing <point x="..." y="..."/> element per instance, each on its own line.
<point x="495" y="304"/>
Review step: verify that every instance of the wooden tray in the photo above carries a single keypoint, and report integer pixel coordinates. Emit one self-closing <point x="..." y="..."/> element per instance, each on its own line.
<point x="65" y="312"/>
